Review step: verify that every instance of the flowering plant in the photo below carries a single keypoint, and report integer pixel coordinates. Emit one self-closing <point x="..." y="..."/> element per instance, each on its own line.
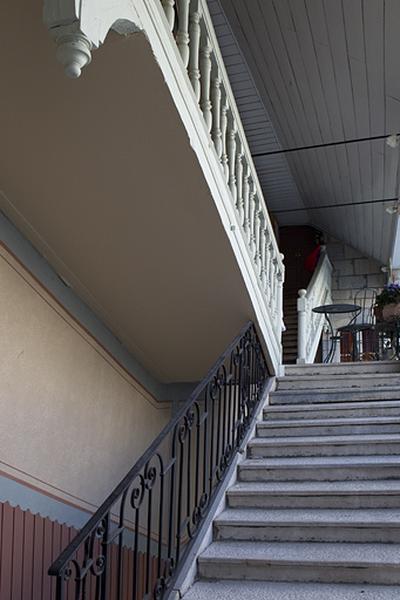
<point x="389" y="295"/>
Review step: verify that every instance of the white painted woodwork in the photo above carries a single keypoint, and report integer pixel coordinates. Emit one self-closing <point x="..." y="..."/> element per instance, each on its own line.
<point x="169" y="9"/>
<point x="310" y="324"/>
<point x="182" y="37"/>
<point x="202" y="66"/>
<point x="205" y="81"/>
<point x="194" y="54"/>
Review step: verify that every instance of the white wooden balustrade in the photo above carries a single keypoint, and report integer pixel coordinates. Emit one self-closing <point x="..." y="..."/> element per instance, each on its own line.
<point x="310" y="324"/>
<point x="200" y="54"/>
<point x="185" y="45"/>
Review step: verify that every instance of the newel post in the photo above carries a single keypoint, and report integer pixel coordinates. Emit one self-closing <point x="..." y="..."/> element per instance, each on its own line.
<point x="302" y="326"/>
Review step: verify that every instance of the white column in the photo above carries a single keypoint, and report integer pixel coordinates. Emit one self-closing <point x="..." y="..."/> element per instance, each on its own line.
<point x="216" y="114"/>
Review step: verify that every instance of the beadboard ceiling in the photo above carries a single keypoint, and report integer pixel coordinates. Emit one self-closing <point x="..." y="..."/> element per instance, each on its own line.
<point x="309" y="72"/>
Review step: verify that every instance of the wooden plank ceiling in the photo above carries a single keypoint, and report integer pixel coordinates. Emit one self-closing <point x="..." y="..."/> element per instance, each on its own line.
<point x="308" y="72"/>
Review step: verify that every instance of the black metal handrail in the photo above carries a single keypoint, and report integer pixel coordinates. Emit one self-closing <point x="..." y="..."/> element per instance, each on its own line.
<point x="135" y="543"/>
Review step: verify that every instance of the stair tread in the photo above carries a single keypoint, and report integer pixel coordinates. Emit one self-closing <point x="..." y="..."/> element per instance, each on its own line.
<point x="339" y="377"/>
<point x="320" y="440"/>
<point x="321" y="461"/>
<point x="264" y="590"/>
<point x="356" y="517"/>
<point x="333" y="406"/>
<point x="303" y="553"/>
<point x="316" y="488"/>
<point x="338" y="390"/>
<point x="270" y="424"/>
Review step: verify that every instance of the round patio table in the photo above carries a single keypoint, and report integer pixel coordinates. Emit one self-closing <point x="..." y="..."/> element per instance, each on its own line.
<point x="336" y="309"/>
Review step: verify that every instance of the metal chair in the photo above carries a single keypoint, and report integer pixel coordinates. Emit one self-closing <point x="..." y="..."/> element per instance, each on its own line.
<point x="361" y="327"/>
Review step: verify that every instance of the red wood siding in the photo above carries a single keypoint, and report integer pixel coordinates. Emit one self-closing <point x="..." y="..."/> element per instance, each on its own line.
<point x="29" y="544"/>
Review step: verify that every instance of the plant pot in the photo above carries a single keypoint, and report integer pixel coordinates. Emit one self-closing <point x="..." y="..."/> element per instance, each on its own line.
<point x="391" y="312"/>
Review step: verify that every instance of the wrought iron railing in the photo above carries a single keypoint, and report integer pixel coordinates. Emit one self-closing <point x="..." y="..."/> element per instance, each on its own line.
<point x="135" y="544"/>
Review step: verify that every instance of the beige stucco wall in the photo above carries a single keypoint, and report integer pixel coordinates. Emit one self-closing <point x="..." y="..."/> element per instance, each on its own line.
<point x="72" y="421"/>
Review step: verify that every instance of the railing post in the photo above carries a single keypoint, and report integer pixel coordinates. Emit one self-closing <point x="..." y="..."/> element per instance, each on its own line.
<point x="302" y="327"/>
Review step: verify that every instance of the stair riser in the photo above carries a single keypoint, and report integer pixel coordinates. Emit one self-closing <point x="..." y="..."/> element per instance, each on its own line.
<point x="347" y="384"/>
<point x="364" y="449"/>
<point x="269" y="432"/>
<point x="263" y="571"/>
<point x="333" y="413"/>
<point x="319" y="474"/>
<point x="313" y="501"/>
<point x="307" y="533"/>
<point x="323" y="397"/>
<point x="344" y="369"/>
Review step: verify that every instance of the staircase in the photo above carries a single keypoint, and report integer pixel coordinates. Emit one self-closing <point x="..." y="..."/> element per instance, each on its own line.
<point x="315" y="513"/>
<point x="289" y="336"/>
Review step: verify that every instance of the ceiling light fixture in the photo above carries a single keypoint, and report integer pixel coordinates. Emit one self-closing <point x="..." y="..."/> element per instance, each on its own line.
<point x="393" y="140"/>
<point x="394" y="209"/>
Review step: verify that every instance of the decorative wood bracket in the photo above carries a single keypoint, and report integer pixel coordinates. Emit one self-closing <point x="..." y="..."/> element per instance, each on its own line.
<point x="79" y="26"/>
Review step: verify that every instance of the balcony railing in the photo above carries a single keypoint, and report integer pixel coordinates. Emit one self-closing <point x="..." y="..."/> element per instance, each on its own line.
<point x="310" y="324"/>
<point x="136" y="543"/>
<point x="191" y="27"/>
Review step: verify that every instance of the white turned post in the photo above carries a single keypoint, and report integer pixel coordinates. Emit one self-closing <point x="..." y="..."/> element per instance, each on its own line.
<point x="281" y="279"/>
<point x="224" y="132"/>
<point x="194" y="46"/>
<point x="259" y="224"/>
<point x="302" y="327"/>
<point x="205" y="82"/>
<point x="255" y="228"/>
<point x="239" y="181"/>
<point x="216" y="115"/>
<point x="169" y="9"/>
<point x="182" y="36"/>
<point x="231" y="147"/>
<point x="263" y="253"/>
<point x="73" y="49"/>
<point x="266" y="263"/>
<point x="246" y="195"/>
<point x="252" y="209"/>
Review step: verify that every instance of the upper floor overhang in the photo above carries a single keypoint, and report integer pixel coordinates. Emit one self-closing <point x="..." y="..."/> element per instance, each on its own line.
<point x="144" y="201"/>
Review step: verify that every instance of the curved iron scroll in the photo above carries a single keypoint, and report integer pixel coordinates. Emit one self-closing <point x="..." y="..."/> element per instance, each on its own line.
<point x="133" y="546"/>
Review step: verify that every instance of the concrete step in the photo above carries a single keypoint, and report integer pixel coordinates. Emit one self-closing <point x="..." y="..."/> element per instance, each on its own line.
<point x="320" y="468"/>
<point x="336" y="445"/>
<point x="336" y="395"/>
<point x="302" y="561"/>
<point x="263" y="590"/>
<point x="320" y="382"/>
<point x="333" y="410"/>
<point x="309" y="525"/>
<point x="332" y="426"/>
<point x="315" y="494"/>
<point x="390" y="366"/>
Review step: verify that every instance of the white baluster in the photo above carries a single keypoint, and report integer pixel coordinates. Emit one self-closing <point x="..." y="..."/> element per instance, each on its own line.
<point x="266" y="262"/>
<point x="252" y="212"/>
<point x="246" y="196"/>
<point x="182" y="36"/>
<point x="169" y="9"/>
<point x="281" y="278"/>
<point x="194" y="46"/>
<point x="239" y="181"/>
<point x="302" y="327"/>
<point x="224" y="131"/>
<point x="216" y="96"/>
<point x="231" y="147"/>
<point x="255" y="227"/>
<point x="205" y="81"/>
<point x="257" y="254"/>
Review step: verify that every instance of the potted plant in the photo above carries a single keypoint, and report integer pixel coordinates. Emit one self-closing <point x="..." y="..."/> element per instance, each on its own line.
<point x="388" y="302"/>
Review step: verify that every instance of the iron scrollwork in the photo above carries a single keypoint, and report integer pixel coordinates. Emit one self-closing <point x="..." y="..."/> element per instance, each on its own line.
<point x="135" y="544"/>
